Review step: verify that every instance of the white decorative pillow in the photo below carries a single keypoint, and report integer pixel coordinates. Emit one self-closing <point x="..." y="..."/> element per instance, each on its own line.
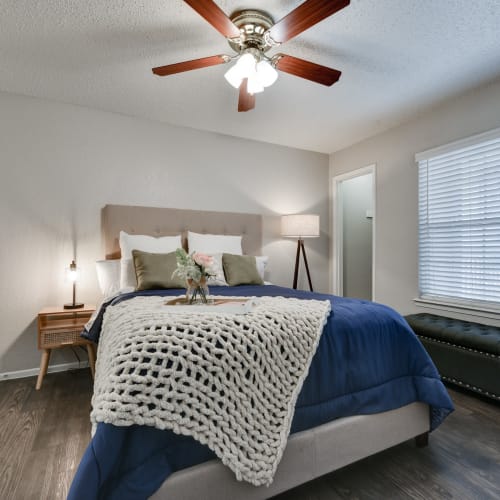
<point x="144" y="243"/>
<point x="212" y="244"/>
<point x="261" y="262"/>
<point x="219" y="279"/>
<point x="108" y="276"/>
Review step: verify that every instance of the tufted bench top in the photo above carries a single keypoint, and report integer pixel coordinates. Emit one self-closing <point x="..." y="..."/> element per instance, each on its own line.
<point x="455" y="331"/>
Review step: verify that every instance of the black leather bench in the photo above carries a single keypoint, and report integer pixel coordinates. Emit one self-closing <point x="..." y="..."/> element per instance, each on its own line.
<point x="465" y="353"/>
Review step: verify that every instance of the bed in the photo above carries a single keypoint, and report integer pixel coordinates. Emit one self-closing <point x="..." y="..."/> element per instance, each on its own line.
<point x="370" y="386"/>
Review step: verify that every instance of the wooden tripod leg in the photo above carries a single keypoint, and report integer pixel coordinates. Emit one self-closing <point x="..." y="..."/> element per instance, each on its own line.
<point x="307" y="266"/>
<point x="296" y="272"/>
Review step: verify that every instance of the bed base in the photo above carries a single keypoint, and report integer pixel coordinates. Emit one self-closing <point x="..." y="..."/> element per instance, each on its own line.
<point x="309" y="454"/>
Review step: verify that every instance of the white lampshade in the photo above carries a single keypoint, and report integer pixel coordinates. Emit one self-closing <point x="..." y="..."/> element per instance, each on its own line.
<point x="246" y="63"/>
<point x="266" y="73"/>
<point x="254" y="86"/>
<point x="244" y="67"/>
<point x="300" y="226"/>
<point x="233" y="76"/>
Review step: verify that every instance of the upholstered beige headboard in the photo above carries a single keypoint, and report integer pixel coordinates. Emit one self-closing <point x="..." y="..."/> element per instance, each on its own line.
<point x="170" y="221"/>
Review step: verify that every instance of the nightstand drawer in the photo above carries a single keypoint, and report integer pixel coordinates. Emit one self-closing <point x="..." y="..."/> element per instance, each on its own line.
<point x="58" y="327"/>
<point x="65" y="320"/>
<point x="56" y="338"/>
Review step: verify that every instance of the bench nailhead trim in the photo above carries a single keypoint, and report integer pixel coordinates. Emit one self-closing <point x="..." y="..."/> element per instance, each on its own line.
<point x="431" y="339"/>
<point x="459" y="382"/>
<point x="471" y="387"/>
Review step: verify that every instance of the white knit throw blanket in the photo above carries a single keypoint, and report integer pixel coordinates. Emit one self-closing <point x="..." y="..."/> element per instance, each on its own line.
<point x="229" y="381"/>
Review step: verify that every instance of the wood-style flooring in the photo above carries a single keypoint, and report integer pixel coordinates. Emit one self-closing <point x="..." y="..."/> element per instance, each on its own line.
<point x="43" y="435"/>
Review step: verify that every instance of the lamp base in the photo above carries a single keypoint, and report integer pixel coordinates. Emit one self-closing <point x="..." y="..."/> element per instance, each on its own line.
<point x="76" y="305"/>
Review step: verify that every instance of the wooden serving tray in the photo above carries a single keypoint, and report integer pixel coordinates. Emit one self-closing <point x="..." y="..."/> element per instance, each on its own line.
<point x="182" y="301"/>
<point x="219" y="305"/>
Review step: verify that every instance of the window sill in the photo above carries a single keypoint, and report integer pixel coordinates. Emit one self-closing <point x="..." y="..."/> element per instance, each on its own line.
<point x="479" y="310"/>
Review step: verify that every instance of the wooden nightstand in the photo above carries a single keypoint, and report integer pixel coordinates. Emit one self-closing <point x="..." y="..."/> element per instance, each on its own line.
<point x="59" y="327"/>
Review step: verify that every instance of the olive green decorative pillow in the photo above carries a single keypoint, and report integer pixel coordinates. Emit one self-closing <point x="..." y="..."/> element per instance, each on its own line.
<point x="241" y="270"/>
<point x="154" y="270"/>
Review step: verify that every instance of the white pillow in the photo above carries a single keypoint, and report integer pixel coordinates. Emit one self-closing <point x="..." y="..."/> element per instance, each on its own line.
<point x="261" y="262"/>
<point x="129" y="242"/>
<point x="108" y="276"/>
<point x="214" y="243"/>
<point x="218" y="279"/>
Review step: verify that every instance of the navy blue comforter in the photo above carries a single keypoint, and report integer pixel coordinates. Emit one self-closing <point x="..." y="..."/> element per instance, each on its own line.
<point x="368" y="361"/>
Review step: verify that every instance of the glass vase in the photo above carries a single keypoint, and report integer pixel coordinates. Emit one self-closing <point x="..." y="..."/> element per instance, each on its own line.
<point x="197" y="291"/>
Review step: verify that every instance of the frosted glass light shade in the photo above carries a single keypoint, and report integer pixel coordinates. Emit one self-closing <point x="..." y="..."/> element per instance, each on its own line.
<point x="246" y="64"/>
<point x="266" y="73"/>
<point x="233" y="76"/>
<point x="244" y="68"/>
<point x="254" y="86"/>
<point x="300" y="226"/>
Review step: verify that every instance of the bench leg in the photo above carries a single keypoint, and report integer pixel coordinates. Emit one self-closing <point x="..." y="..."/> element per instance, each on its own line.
<point x="422" y="440"/>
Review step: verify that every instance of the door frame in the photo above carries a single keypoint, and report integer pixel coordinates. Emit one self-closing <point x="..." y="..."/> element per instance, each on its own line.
<point x="337" y="222"/>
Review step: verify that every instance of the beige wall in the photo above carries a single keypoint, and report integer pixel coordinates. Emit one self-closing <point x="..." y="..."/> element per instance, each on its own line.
<point x="60" y="164"/>
<point x="396" y="273"/>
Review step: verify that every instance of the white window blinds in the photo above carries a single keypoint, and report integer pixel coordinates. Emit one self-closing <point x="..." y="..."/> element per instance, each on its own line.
<point x="459" y="220"/>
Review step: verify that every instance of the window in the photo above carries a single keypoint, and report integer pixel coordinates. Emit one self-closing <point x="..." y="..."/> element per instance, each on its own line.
<point x="459" y="221"/>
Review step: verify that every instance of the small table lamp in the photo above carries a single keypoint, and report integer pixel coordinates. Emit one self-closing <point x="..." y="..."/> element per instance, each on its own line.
<point x="72" y="274"/>
<point x="300" y="226"/>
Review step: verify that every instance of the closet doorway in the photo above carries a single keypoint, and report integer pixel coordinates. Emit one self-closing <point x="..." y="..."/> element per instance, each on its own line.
<point x="354" y="233"/>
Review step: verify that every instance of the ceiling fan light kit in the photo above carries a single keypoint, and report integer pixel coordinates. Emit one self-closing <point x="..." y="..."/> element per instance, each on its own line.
<point x="260" y="72"/>
<point x="251" y="33"/>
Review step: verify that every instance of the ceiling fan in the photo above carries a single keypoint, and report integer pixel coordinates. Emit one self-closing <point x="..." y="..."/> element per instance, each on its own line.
<point x="252" y="33"/>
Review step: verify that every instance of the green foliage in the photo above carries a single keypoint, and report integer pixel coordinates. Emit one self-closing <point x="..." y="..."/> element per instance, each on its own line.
<point x="186" y="266"/>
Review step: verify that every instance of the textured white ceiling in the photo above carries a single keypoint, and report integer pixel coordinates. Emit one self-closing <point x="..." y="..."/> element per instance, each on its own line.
<point x="397" y="57"/>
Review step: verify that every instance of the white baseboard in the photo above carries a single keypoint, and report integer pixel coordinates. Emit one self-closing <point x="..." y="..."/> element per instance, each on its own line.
<point x="33" y="372"/>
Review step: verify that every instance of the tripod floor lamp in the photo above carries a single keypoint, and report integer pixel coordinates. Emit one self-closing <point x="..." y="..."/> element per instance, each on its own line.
<point x="300" y="226"/>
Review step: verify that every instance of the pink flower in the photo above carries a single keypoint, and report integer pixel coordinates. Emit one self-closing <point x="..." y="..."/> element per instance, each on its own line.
<point x="203" y="260"/>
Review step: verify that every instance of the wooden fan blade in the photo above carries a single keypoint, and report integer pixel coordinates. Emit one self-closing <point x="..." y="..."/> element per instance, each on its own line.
<point x="204" y="62"/>
<point x="303" y="17"/>
<point x="212" y="13"/>
<point x="246" y="101"/>
<point x="306" y="69"/>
